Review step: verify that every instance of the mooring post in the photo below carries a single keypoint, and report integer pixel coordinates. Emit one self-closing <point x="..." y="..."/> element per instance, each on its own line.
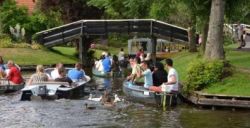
<point x="164" y="96"/>
<point x="154" y="42"/>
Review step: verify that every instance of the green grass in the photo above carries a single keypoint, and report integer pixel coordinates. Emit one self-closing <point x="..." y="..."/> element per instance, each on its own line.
<point x="238" y="84"/>
<point x="27" y="56"/>
<point x="238" y="58"/>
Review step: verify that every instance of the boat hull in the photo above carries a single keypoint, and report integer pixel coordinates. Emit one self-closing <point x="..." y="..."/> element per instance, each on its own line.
<point x="143" y="95"/>
<point x="56" y="90"/>
<point x="138" y="93"/>
<point x="7" y="88"/>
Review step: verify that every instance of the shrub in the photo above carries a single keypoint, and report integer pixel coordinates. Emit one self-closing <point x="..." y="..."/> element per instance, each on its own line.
<point x="5" y="41"/>
<point x="11" y="14"/>
<point x="101" y="47"/>
<point x="36" y="46"/>
<point x="203" y="73"/>
<point x="21" y="45"/>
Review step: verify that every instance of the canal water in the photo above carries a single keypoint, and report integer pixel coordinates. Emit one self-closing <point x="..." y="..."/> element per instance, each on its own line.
<point x="64" y="113"/>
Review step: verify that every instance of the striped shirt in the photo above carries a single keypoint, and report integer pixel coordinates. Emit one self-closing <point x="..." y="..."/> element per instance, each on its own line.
<point x="39" y="77"/>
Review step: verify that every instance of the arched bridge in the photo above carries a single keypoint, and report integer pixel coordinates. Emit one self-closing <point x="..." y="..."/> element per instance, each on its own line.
<point x="85" y="28"/>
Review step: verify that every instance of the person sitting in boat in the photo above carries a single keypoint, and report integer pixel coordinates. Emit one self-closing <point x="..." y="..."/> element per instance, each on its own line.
<point x="135" y="64"/>
<point x="147" y="74"/>
<point x="173" y="81"/>
<point x="121" y="55"/>
<point x="115" y="64"/>
<point x="138" y="54"/>
<point x="106" y="63"/>
<point x="62" y="76"/>
<point x="77" y="73"/>
<point x="98" y="64"/>
<point x="2" y="68"/>
<point x="39" y="76"/>
<point x="160" y="76"/>
<point x="55" y="74"/>
<point x="14" y="74"/>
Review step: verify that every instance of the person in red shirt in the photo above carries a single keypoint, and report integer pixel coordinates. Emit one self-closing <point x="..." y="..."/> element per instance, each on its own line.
<point x="14" y="74"/>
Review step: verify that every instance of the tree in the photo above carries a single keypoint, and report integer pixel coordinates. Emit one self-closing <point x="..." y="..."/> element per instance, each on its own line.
<point x="71" y="10"/>
<point x="214" y="45"/>
<point x="11" y="15"/>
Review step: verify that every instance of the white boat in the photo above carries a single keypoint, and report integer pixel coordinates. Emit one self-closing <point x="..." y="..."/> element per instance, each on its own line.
<point x="54" y="89"/>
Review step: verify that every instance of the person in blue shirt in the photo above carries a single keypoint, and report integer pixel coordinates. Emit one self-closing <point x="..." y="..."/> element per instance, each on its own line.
<point x="106" y="64"/>
<point x="77" y="73"/>
<point x="148" y="78"/>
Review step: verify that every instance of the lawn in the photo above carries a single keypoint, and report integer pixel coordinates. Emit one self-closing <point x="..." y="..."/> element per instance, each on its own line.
<point x="238" y="84"/>
<point x="27" y="56"/>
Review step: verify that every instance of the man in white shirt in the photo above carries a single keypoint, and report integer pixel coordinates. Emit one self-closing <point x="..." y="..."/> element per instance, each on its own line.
<point x="173" y="81"/>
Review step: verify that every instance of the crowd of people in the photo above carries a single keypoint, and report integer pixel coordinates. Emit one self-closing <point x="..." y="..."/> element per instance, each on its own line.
<point x="12" y="73"/>
<point x="115" y="64"/>
<point x="156" y="78"/>
<point x="58" y="74"/>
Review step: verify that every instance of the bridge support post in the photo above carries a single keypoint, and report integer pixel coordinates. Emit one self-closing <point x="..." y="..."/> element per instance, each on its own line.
<point x="154" y="42"/>
<point x="83" y="50"/>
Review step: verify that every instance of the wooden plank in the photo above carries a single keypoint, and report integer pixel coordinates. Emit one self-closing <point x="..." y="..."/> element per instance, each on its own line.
<point x="220" y="95"/>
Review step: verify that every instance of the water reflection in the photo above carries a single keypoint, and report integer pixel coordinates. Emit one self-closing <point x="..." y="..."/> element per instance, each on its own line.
<point x="65" y="113"/>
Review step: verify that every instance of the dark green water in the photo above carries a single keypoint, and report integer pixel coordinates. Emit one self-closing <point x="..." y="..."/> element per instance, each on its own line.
<point x="72" y="113"/>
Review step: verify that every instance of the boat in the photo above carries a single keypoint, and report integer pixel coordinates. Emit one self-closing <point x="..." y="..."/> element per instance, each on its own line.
<point x="6" y="87"/>
<point x="164" y="48"/>
<point x="56" y="90"/>
<point x="95" y="72"/>
<point x="140" y="94"/>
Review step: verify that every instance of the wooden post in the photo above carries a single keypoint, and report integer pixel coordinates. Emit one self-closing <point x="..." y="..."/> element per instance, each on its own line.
<point x="154" y="42"/>
<point x="83" y="50"/>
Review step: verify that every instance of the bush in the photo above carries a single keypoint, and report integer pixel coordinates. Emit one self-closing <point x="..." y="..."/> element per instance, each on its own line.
<point x="5" y="41"/>
<point x="101" y="47"/>
<point x="21" y="45"/>
<point x="203" y="73"/>
<point x="36" y="46"/>
<point x="11" y="14"/>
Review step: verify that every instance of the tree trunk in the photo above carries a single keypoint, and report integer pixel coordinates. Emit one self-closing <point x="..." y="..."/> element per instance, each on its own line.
<point x="192" y="35"/>
<point x="214" y="45"/>
<point x="204" y="36"/>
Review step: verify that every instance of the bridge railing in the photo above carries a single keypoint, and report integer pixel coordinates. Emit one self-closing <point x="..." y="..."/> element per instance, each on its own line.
<point x="66" y="33"/>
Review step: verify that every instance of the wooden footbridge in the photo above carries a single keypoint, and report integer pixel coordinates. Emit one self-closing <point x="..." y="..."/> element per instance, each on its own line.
<point x="84" y="29"/>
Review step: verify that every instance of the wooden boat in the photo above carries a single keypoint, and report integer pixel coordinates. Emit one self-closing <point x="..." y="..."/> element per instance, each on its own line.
<point x="143" y="95"/>
<point x="53" y="89"/>
<point x="5" y="86"/>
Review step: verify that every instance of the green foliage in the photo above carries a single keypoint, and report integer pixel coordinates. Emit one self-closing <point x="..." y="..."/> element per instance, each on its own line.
<point x="160" y="9"/>
<point x="228" y="40"/>
<point x="11" y="15"/>
<point x="200" y="74"/>
<point x="36" y="46"/>
<point x="21" y="45"/>
<point x="39" y="21"/>
<point x="5" y="41"/>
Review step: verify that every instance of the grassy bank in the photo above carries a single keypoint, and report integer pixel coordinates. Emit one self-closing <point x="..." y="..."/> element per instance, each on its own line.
<point x="27" y="56"/>
<point x="237" y="84"/>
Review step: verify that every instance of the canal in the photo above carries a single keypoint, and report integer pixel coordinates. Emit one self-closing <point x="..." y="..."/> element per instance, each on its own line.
<point x="64" y="113"/>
